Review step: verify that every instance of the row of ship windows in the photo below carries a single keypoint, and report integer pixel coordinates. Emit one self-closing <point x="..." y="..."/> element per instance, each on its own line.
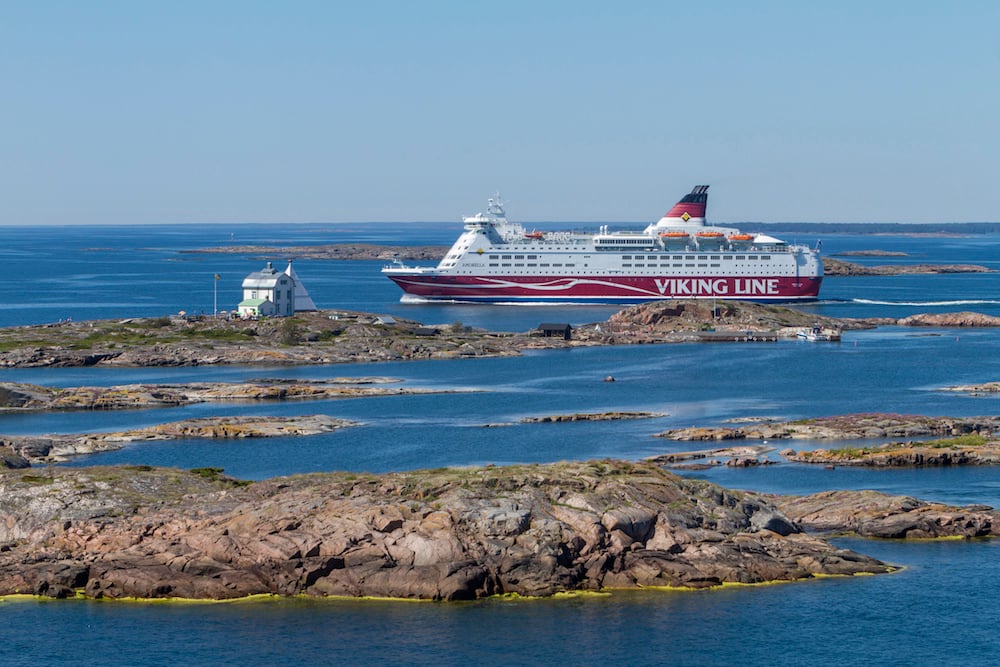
<point x="653" y="258"/>
<point x="532" y="264"/>
<point x="675" y="265"/>
<point x="639" y="266"/>
<point x="640" y="241"/>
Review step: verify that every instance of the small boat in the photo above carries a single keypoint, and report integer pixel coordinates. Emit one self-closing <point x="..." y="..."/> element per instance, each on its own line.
<point x="674" y="235"/>
<point x="710" y="235"/>
<point x="817" y="333"/>
<point x="534" y="235"/>
<point x="741" y="237"/>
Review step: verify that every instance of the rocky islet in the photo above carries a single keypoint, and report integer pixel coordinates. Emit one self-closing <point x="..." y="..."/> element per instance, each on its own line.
<point x="448" y="534"/>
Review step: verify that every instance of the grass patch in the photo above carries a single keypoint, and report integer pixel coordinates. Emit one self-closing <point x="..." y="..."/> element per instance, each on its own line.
<point x="212" y="474"/>
<point x="960" y="441"/>
<point x="967" y="441"/>
<point x="16" y="344"/>
<point x="36" y="479"/>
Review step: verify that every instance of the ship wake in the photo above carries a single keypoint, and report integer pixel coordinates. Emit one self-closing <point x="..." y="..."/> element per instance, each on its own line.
<point x="962" y="302"/>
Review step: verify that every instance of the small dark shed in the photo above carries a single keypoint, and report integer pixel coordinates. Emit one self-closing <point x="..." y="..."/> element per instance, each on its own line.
<point x="549" y="329"/>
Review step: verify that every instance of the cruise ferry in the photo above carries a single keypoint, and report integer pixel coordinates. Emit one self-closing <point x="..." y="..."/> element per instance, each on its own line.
<point x="677" y="257"/>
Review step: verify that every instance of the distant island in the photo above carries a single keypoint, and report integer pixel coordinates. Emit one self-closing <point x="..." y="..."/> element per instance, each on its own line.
<point x="837" y="267"/>
<point x="871" y="253"/>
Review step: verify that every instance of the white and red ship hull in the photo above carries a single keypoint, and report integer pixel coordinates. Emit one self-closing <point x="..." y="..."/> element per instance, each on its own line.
<point x="678" y="257"/>
<point x="566" y="289"/>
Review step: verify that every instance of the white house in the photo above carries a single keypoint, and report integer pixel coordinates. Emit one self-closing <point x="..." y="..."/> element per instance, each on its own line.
<point x="268" y="292"/>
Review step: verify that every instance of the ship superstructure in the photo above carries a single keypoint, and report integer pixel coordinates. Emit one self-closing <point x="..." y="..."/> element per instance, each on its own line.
<point x="679" y="256"/>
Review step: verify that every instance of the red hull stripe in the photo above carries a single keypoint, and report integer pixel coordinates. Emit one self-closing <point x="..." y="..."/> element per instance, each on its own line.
<point x="635" y="288"/>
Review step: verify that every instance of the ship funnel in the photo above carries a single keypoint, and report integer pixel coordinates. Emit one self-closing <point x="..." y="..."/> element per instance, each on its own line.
<point x="692" y="205"/>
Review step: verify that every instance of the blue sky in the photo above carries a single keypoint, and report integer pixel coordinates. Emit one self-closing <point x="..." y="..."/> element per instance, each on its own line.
<point x="182" y="111"/>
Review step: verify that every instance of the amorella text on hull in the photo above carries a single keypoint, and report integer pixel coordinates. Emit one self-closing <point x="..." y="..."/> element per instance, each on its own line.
<point x="679" y="256"/>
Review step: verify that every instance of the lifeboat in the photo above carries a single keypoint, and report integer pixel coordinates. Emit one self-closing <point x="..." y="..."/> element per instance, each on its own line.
<point x="674" y="235"/>
<point x="534" y="235"/>
<point x="741" y="237"/>
<point x="710" y="235"/>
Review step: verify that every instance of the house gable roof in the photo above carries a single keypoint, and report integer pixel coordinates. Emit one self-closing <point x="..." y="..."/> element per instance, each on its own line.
<point x="266" y="278"/>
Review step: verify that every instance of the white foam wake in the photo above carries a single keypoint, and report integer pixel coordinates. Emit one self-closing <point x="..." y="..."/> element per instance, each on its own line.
<point x="967" y="302"/>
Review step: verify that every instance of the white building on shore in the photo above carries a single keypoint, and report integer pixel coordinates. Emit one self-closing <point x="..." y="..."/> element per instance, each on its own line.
<point x="266" y="293"/>
<point x="270" y="293"/>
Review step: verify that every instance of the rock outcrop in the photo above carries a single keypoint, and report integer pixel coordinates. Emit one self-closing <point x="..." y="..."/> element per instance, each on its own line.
<point x="860" y="426"/>
<point x="963" y="319"/>
<point x="734" y="316"/>
<point x="591" y="417"/>
<point x="49" y="448"/>
<point x="976" y="389"/>
<point x="873" y="514"/>
<point x="306" y="338"/>
<point x="329" y="338"/>
<point x="444" y="534"/>
<point x="16" y="396"/>
<point x="961" y="450"/>
<point x="342" y="337"/>
<point x="836" y="267"/>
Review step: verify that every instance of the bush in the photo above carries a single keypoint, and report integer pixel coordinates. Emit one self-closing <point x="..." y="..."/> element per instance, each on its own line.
<point x="208" y="473"/>
<point x="290" y="332"/>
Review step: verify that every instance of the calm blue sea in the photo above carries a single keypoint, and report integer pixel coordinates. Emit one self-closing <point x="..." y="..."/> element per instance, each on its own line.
<point x="940" y="608"/>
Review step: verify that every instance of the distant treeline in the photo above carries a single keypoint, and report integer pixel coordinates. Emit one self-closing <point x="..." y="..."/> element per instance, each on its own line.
<point x="876" y="227"/>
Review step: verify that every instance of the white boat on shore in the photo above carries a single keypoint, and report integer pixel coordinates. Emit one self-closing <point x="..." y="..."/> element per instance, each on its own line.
<point x="818" y="333"/>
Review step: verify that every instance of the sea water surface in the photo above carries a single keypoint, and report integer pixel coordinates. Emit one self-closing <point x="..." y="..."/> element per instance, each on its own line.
<point x="939" y="608"/>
